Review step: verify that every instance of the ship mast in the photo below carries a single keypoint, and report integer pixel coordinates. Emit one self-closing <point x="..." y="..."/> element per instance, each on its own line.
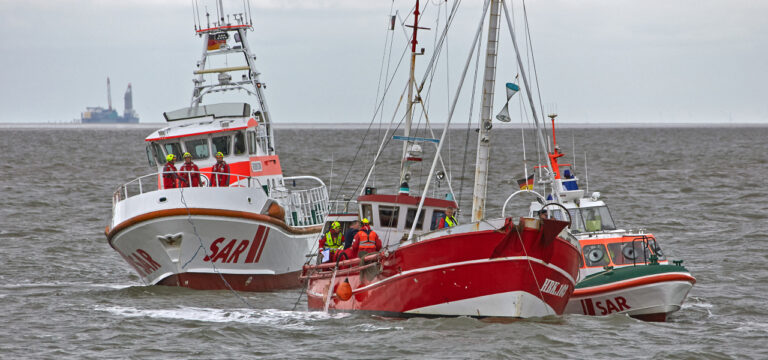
<point x="404" y="171"/>
<point x="484" y="135"/>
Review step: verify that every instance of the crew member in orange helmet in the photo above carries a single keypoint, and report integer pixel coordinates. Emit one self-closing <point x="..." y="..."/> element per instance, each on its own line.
<point x="366" y="240"/>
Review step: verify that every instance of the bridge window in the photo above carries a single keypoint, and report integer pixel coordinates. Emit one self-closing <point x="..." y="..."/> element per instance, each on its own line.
<point x="173" y="148"/>
<point x="239" y="143"/>
<point x="251" y="142"/>
<point x="630" y="252"/>
<point x="436" y="216"/>
<point x="410" y="215"/>
<point x="388" y="215"/>
<point x="198" y="148"/>
<point x="158" y="151"/>
<point x="151" y="156"/>
<point x="221" y="143"/>
<point x="368" y="213"/>
<point x="577" y="222"/>
<point x="595" y="255"/>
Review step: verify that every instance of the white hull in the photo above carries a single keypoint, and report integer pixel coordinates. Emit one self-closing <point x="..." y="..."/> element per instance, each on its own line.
<point x="654" y="301"/>
<point x="194" y="246"/>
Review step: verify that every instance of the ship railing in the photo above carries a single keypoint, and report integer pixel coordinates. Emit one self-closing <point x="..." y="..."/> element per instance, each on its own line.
<point x="307" y="206"/>
<point x="154" y="182"/>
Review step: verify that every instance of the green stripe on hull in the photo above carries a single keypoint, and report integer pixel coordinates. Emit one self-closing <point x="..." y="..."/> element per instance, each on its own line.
<point x="626" y="273"/>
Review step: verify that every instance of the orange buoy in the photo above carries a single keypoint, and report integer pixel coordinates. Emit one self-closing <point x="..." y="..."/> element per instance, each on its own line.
<point x="344" y="290"/>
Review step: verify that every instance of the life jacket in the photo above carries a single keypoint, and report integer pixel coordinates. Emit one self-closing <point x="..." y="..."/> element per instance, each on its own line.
<point x="367" y="240"/>
<point x="331" y="243"/>
<point x="451" y="221"/>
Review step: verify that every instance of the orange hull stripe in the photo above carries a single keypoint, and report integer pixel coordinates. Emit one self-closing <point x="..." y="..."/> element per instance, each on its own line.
<point x="634" y="282"/>
<point x="209" y="212"/>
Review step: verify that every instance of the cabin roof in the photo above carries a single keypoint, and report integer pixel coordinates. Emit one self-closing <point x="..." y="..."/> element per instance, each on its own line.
<point x="404" y="199"/>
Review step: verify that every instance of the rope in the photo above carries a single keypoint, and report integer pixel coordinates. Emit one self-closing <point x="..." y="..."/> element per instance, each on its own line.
<point x="213" y="264"/>
<point x="528" y="260"/>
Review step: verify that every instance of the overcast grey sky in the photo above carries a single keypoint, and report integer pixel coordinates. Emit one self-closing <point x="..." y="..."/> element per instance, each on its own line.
<point x="598" y="60"/>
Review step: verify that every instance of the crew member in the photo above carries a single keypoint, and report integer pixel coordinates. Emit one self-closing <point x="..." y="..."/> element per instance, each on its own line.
<point x="449" y="220"/>
<point x="333" y="240"/>
<point x="220" y="176"/>
<point x="349" y="235"/>
<point x="366" y="240"/>
<point x="170" y="177"/>
<point x="190" y="173"/>
<point x="543" y="214"/>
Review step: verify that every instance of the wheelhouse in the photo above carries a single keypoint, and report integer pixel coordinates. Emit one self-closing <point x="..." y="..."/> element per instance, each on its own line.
<point x="393" y="215"/>
<point x="243" y="138"/>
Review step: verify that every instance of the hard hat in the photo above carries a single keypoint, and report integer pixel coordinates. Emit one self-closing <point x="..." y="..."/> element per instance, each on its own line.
<point x="186" y="154"/>
<point x="335" y="225"/>
<point x="170" y="157"/>
<point x="365" y="221"/>
<point x="219" y="154"/>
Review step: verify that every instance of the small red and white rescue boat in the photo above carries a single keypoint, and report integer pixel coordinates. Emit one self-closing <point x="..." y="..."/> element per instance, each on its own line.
<point x="622" y="271"/>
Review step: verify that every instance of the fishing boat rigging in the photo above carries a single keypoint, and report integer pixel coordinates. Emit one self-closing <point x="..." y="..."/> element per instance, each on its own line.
<point x="489" y="267"/>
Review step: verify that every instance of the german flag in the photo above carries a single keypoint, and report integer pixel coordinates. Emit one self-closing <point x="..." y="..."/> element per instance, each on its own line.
<point x="526" y="184"/>
<point x="216" y="40"/>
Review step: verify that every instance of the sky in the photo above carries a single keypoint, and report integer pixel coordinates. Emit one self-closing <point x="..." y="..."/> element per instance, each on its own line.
<point x="597" y="61"/>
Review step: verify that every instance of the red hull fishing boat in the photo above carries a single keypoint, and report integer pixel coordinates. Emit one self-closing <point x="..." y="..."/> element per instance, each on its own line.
<point x="497" y="267"/>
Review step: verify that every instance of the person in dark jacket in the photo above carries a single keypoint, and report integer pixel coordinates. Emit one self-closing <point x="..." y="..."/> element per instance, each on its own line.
<point x="349" y="235"/>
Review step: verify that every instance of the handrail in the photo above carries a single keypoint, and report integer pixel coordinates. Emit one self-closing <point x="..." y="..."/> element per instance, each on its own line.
<point x="504" y="208"/>
<point x="122" y="193"/>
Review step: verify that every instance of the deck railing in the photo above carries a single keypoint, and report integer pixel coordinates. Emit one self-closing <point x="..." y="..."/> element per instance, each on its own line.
<point x="306" y="206"/>
<point x="303" y="207"/>
<point x="154" y="182"/>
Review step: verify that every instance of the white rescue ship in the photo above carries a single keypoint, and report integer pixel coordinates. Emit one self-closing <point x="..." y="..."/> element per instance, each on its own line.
<point x="247" y="229"/>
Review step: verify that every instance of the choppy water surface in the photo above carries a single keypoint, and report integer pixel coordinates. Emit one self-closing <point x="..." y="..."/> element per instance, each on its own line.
<point x="64" y="293"/>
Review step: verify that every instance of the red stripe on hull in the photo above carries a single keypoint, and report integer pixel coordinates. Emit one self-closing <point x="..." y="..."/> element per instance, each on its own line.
<point x="447" y="284"/>
<point x="460" y="266"/>
<point x="238" y="282"/>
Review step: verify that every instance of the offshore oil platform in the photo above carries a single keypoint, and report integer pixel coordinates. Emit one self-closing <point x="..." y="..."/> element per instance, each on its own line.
<point x="100" y="115"/>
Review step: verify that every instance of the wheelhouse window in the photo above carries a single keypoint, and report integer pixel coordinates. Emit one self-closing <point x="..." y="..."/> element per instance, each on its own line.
<point x="239" y="143"/>
<point x="410" y="215"/>
<point x="173" y="148"/>
<point x="151" y="156"/>
<point x="595" y="255"/>
<point x="577" y="222"/>
<point x="251" y="142"/>
<point x="198" y="148"/>
<point x="630" y="252"/>
<point x="221" y="144"/>
<point x="436" y="216"/>
<point x="592" y="219"/>
<point x="368" y="212"/>
<point x="158" y="151"/>
<point x="388" y="215"/>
